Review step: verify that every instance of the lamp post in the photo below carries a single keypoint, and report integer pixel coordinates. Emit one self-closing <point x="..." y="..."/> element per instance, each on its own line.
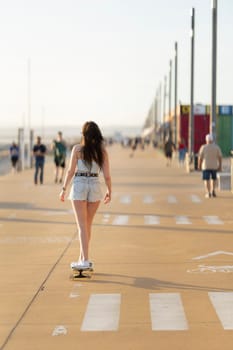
<point x="175" y="91"/>
<point x="170" y="96"/>
<point x="164" y="105"/>
<point x="214" y="5"/>
<point x="160" y="103"/>
<point x="29" y="133"/>
<point x="191" y="115"/>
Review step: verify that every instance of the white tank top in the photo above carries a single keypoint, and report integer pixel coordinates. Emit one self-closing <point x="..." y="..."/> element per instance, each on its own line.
<point x="82" y="167"/>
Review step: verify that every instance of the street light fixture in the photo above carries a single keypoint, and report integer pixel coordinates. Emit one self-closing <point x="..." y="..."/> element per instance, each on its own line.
<point x="170" y="96"/>
<point x="191" y="115"/>
<point x="214" y="5"/>
<point x="175" y="91"/>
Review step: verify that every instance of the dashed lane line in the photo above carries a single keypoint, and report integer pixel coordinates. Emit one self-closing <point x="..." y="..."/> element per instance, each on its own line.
<point x="103" y="313"/>
<point x="223" y="304"/>
<point x="121" y="220"/>
<point x="167" y="312"/>
<point x="213" y="220"/>
<point x="182" y="220"/>
<point x="151" y="220"/>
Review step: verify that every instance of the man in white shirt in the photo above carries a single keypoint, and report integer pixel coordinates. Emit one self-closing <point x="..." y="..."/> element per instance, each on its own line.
<point x="210" y="161"/>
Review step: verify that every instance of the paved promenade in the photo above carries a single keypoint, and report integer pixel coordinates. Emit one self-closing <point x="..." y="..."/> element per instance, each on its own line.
<point x="163" y="258"/>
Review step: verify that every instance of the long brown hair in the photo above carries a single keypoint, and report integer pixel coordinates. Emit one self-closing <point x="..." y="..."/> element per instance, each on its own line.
<point x="92" y="144"/>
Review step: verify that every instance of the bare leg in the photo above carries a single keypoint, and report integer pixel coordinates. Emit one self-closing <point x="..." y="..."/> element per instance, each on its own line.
<point x="84" y="214"/>
<point x="56" y="173"/>
<point x="214" y="184"/>
<point x="207" y="186"/>
<point x="91" y="210"/>
<point x="62" y="174"/>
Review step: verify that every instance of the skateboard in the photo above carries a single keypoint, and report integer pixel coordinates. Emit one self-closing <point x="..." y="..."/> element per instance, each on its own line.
<point x="81" y="273"/>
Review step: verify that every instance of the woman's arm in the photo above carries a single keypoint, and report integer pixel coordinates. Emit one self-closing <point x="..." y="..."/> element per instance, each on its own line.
<point x="70" y="171"/>
<point x="107" y="178"/>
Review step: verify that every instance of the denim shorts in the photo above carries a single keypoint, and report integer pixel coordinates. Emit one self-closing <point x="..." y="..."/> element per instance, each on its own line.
<point x="86" y="189"/>
<point x="209" y="173"/>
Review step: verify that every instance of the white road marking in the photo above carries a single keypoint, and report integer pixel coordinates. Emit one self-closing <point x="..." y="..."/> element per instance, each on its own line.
<point x="106" y="218"/>
<point x="121" y="220"/>
<point x="125" y="199"/>
<point x="12" y="216"/>
<point x="223" y="304"/>
<point x="195" y="199"/>
<point x="103" y="313"/>
<point x="212" y="269"/>
<point x="218" y="252"/>
<point x="213" y="220"/>
<point x="34" y="240"/>
<point x="57" y="212"/>
<point x="151" y="220"/>
<point x="167" y="313"/>
<point x="155" y="220"/>
<point x="59" y="330"/>
<point x="182" y="220"/>
<point x="148" y="199"/>
<point x="75" y="291"/>
<point x="171" y="199"/>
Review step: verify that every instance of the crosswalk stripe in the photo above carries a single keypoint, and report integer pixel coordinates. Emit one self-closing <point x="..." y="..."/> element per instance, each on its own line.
<point x="106" y="218"/>
<point x="11" y="216"/>
<point x="155" y="220"/>
<point x="151" y="220"/>
<point x="195" y="199"/>
<point x="167" y="312"/>
<point x="148" y="199"/>
<point x="213" y="220"/>
<point x="103" y="313"/>
<point x="223" y="304"/>
<point x="121" y="220"/>
<point x="182" y="220"/>
<point x="171" y="199"/>
<point x="125" y="199"/>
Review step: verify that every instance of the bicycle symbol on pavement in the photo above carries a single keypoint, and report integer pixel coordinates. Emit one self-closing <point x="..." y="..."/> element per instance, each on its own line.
<point x="212" y="269"/>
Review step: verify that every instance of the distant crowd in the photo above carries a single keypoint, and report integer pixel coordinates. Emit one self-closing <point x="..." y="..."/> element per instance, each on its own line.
<point x="59" y="148"/>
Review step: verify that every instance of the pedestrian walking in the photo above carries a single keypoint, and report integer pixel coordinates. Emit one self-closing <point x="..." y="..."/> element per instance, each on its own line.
<point x="39" y="151"/>
<point x="210" y="161"/>
<point x="169" y="147"/>
<point x="135" y="144"/>
<point x="87" y="160"/>
<point x="181" y="151"/>
<point x="59" y="148"/>
<point x="14" y="154"/>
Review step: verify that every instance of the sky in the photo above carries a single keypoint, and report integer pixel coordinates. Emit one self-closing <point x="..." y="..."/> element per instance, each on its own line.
<point x="64" y="62"/>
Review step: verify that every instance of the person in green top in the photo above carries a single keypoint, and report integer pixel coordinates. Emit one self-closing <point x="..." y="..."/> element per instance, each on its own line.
<point x="59" y="148"/>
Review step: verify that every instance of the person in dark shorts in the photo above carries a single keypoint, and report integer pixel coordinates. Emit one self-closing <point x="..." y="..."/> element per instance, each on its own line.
<point x="210" y="162"/>
<point x="39" y="151"/>
<point x="181" y="151"/>
<point x="59" y="148"/>
<point x="169" y="147"/>
<point x="14" y="154"/>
